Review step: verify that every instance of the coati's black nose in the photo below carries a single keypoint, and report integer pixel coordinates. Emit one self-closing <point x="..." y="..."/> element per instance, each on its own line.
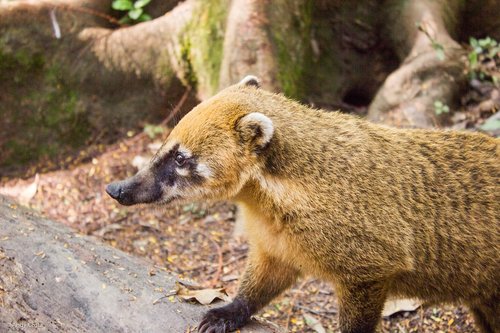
<point x="114" y="190"/>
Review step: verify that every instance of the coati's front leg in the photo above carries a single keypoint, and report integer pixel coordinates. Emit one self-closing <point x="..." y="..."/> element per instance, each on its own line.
<point x="360" y="306"/>
<point x="264" y="279"/>
<point x="487" y="314"/>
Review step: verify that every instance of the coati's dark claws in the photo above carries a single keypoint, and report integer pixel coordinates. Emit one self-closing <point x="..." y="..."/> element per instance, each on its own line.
<point x="212" y="323"/>
<point x="226" y="319"/>
<point x="202" y="328"/>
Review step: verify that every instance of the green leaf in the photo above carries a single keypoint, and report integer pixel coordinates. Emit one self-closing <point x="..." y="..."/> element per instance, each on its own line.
<point x="473" y="59"/>
<point x="439" y="50"/>
<point x="141" y="3"/>
<point x="484" y="42"/>
<point x="125" y="20"/>
<point x="440" y="107"/>
<point x="491" y="125"/>
<point x="122" y="4"/>
<point x="153" y="130"/>
<point x="135" y="13"/>
<point x="494" y="51"/>
<point x="440" y="54"/>
<point x="144" y="17"/>
<point x="473" y="42"/>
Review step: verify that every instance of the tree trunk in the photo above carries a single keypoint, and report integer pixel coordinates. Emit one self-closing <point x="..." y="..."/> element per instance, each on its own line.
<point x="54" y="280"/>
<point x="432" y="67"/>
<point x="91" y="84"/>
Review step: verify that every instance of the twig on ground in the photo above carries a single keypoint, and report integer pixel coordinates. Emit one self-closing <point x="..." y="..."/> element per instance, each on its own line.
<point x="316" y="312"/>
<point x="156" y="301"/>
<point x="218" y="273"/>
<point x="229" y="262"/>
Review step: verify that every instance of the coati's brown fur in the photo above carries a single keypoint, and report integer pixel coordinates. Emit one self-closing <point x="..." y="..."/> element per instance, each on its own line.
<point x="377" y="211"/>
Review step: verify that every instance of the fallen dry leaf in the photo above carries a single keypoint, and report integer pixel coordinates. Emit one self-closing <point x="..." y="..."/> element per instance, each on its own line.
<point x="398" y="305"/>
<point x="202" y="296"/>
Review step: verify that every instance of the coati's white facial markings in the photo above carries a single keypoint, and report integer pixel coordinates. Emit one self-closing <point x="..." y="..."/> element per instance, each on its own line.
<point x="184" y="152"/>
<point x="178" y="172"/>
<point x="182" y="172"/>
<point x="203" y="170"/>
<point x="167" y="148"/>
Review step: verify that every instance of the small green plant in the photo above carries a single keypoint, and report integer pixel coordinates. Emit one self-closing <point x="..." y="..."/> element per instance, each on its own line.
<point x="485" y="53"/>
<point x="439" y="48"/>
<point x="134" y="10"/>
<point x="153" y="130"/>
<point x="440" y="108"/>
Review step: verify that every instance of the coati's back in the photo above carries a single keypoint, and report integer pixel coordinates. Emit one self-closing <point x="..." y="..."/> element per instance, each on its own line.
<point x="427" y="201"/>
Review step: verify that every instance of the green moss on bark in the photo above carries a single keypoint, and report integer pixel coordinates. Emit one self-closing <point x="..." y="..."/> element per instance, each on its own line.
<point x="189" y="73"/>
<point x="202" y="63"/>
<point x="40" y="112"/>
<point x="291" y="33"/>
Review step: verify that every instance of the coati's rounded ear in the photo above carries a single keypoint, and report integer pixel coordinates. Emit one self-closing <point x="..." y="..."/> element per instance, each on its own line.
<point x="255" y="129"/>
<point x="250" y="80"/>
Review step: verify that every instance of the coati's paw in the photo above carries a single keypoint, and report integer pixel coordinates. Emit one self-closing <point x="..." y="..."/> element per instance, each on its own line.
<point x="226" y="319"/>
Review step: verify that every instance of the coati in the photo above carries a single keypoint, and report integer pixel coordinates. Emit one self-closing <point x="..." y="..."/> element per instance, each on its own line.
<point x="377" y="211"/>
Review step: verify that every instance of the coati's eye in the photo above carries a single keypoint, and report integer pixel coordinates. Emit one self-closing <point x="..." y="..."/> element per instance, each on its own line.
<point x="180" y="159"/>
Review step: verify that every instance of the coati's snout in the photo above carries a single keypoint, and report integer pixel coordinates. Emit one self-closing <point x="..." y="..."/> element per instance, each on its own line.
<point x="115" y="190"/>
<point x="174" y="173"/>
<point x="135" y="190"/>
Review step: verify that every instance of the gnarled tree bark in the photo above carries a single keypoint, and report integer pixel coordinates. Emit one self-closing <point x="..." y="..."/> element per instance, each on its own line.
<point x="418" y="31"/>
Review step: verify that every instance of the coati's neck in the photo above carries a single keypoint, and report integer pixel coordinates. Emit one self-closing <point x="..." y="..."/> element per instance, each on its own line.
<point x="276" y="198"/>
<point x="298" y="169"/>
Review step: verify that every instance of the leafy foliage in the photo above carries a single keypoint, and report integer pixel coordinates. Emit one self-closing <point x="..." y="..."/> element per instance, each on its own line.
<point x="440" y="108"/>
<point x="134" y="10"/>
<point x="153" y="130"/>
<point x="483" y="57"/>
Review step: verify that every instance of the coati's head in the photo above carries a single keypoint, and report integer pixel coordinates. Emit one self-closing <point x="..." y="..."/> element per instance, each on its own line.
<point x="210" y="154"/>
